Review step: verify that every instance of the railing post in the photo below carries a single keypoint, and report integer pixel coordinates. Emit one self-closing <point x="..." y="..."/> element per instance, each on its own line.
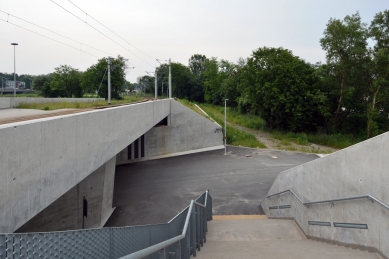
<point x="193" y="232"/>
<point x="186" y="250"/>
<point x="178" y="250"/>
<point x="201" y="226"/>
<point x="162" y="254"/>
<point x="198" y="227"/>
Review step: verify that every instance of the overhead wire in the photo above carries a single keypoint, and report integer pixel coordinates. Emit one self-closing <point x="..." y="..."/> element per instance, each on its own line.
<point x="110" y="30"/>
<point x="54" y="32"/>
<point x="49" y="38"/>
<point x="100" y="32"/>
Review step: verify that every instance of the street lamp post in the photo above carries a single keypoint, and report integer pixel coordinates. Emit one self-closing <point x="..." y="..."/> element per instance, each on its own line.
<point x="14" y="44"/>
<point x="225" y="126"/>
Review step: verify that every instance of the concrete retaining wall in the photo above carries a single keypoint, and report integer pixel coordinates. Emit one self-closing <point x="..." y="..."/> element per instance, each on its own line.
<point x="5" y="102"/>
<point x="188" y="132"/>
<point x="66" y="213"/>
<point x="43" y="159"/>
<point x="12" y="102"/>
<point x="358" y="170"/>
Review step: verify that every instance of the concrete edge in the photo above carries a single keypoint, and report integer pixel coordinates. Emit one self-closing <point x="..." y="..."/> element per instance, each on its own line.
<point x="279" y="150"/>
<point x="239" y="217"/>
<point x="332" y="242"/>
<point x="206" y="114"/>
<point x="106" y="218"/>
<point x="172" y="155"/>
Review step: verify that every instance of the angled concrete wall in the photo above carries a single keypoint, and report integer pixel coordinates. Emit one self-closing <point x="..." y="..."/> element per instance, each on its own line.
<point x="66" y="213"/>
<point x="358" y="170"/>
<point x="187" y="132"/>
<point x="41" y="160"/>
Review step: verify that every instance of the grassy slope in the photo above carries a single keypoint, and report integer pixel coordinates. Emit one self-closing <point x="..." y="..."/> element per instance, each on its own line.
<point x="337" y="141"/>
<point x="235" y="137"/>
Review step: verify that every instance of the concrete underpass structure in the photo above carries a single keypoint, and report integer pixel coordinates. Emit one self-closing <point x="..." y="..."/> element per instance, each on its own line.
<point x="49" y="165"/>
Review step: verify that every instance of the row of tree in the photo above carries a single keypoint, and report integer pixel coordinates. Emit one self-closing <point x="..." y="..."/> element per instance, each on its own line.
<point x="67" y="81"/>
<point x="347" y="94"/>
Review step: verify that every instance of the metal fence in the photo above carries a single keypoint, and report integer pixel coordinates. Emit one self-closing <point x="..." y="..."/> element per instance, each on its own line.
<point x="179" y="238"/>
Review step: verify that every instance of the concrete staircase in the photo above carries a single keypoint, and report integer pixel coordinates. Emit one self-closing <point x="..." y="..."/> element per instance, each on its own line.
<point x="258" y="237"/>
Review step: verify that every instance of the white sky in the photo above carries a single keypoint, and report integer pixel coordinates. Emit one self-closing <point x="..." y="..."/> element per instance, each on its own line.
<point x="167" y="29"/>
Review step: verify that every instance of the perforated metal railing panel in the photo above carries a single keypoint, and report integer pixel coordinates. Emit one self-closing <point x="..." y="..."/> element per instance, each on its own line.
<point x="112" y="242"/>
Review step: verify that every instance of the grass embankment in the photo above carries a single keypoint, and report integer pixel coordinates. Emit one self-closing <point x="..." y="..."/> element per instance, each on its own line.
<point x="337" y="141"/>
<point x="235" y="137"/>
<point x="78" y="105"/>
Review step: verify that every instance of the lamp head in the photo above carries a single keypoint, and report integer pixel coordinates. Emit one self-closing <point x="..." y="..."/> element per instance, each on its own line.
<point x="15" y="44"/>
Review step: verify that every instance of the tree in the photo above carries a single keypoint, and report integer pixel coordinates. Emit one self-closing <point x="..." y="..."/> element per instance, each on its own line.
<point x="41" y="80"/>
<point x="95" y="78"/>
<point x="346" y="45"/>
<point x="197" y="65"/>
<point x="65" y="82"/>
<point x="378" y="87"/>
<point x="282" y="89"/>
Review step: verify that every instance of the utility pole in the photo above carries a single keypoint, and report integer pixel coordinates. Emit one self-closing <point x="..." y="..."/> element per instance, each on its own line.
<point x="162" y="88"/>
<point x="14" y="44"/>
<point x="225" y="126"/>
<point x="170" y="78"/>
<point x="109" y="80"/>
<point x="156" y="84"/>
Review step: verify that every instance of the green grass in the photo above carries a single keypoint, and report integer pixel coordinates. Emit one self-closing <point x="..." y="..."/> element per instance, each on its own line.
<point x="338" y="141"/>
<point x="234" y="117"/>
<point x="235" y="137"/>
<point x="78" y="105"/>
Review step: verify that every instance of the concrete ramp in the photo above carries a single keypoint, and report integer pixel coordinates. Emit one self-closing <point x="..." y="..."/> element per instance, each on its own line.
<point x="263" y="238"/>
<point x="360" y="170"/>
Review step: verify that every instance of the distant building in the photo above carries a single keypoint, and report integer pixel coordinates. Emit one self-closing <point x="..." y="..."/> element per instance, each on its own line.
<point x="19" y="84"/>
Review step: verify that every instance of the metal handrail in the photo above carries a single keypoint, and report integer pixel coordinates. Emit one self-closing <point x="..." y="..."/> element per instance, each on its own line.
<point x="158" y="247"/>
<point x="367" y="196"/>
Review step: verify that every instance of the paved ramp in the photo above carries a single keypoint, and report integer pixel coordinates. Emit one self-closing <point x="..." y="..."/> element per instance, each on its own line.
<point x="264" y="238"/>
<point x="155" y="191"/>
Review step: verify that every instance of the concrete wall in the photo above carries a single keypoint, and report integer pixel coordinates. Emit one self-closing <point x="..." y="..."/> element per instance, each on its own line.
<point x="11" y="102"/>
<point x="66" y="212"/>
<point x="5" y="102"/>
<point x="188" y="132"/>
<point x="41" y="160"/>
<point x="358" y="170"/>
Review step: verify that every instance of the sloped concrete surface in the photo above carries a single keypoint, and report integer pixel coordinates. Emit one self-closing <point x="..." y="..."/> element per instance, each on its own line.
<point x="263" y="238"/>
<point x="361" y="169"/>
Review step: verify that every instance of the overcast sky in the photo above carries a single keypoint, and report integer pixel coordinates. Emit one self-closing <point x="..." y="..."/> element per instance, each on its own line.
<point x="165" y="29"/>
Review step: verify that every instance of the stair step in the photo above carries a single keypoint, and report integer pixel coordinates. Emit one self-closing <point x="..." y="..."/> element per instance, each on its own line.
<point x="268" y="238"/>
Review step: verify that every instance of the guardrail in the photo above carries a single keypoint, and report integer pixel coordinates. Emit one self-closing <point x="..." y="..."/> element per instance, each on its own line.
<point x="367" y="196"/>
<point x="179" y="238"/>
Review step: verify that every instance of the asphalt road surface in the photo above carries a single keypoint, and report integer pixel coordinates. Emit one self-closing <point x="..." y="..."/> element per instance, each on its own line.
<point x="155" y="191"/>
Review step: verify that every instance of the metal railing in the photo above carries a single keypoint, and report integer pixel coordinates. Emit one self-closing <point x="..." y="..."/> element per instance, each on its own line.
<point x="179" y="238"/>
<point x="367" y="196"/>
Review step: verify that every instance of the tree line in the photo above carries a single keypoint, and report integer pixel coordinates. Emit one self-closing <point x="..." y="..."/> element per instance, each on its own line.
<point x="347" y="94"/>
